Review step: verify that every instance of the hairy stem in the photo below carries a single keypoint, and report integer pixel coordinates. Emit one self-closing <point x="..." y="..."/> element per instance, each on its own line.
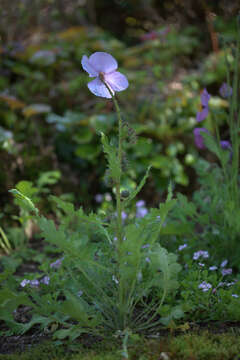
<point x="122" y="312"/>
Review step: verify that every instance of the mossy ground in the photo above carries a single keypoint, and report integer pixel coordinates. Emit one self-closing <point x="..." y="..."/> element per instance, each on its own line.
<point x="200" y="346"/>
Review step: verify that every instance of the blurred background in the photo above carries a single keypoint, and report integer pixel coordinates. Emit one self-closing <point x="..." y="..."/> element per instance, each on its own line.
<point x="170" y="50"/>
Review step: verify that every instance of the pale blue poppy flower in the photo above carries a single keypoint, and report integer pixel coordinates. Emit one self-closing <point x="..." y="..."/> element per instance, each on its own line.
<point x="103" y="67"/>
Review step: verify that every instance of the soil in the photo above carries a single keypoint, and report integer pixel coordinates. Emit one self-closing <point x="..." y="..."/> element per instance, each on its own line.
<point x="22" y="343"/>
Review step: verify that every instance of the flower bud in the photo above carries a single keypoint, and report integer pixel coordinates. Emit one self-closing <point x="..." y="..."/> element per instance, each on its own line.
<point x="125" y="194"/>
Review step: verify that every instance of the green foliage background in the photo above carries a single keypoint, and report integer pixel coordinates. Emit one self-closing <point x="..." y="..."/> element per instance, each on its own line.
<point x="50" y="122"/>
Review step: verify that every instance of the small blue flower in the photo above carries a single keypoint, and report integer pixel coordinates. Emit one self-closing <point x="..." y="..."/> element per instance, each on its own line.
<point x="226" y="272"/>
<point x="200" y="253"/>
<point x="212" y="268"/>
<point x="224" y="263"/>
<point x="141" y="212"/>
<point x="124" y="215"/>
<point x="225" y="90"/>
<point x="204" y="286"/>
<point x="45" y="280"/>
<point x="140" y="203"/>
<point x="56" y="264"/>
<point x="181" y="247"/>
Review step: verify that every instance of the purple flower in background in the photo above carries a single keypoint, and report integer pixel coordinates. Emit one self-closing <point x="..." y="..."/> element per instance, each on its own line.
<point x="212" y="268"/>
<point x="225" y="90"/>
<point x="124" y="215"/>
<point x="103" y="66"/>
<point x="24" y="282"/>
<point x="235" y="295"/>
<point x="45" y="280"/>
<point x="145" y="246"/>
<point x="224" y="263"/>
<point x="204" y="286"/>
<point x="225" y="145"/>
<point x="226" y="272"/>
<point x="140" y="203"/>
<point x="32" y="283"/>
<point x="181" y="247"/>
<point x="141" y="212"/>
<point x="56" y="264"/>
<point x="200" y="253"/>
<point x="201" y="264"/>
<point x="205" y="97"/>
<point x="201" y="115"/>
<point x="99" y="198"/>
<point x="198" y="138"/>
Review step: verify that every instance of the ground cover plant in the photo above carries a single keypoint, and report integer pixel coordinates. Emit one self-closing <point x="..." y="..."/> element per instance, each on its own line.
<point x="124" y="271"/>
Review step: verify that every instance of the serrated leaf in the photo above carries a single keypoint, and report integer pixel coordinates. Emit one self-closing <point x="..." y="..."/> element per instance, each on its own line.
<point x="112" y="158"/>
<point x="134" y="193"/>
<point x="167" y="264"/>
<point x="185" y="207"/>
<point x="66" y="206"/>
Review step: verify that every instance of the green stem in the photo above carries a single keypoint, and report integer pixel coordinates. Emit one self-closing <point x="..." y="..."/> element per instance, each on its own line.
<point x="118" y="182"/>
<point x="118" y="190"/>
<point x="119" y="210"/>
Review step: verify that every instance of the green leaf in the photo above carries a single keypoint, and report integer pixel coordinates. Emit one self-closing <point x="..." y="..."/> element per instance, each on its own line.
<point x="184" y="208"/>
<point x="78" y="309"/>
<point x="24" y="201"/>
<point x="10" y="300"/>
<point x="176" y="313"/>
<point x="66" y="206"/>
<point x="176" y="228"/>
<point x="134" y="193"/>
<point x="48" y="178"/>
<point x="167" y="264"/>
<point x="88" y="151"/>
<point x="26" y="188"/>
<point x="72" y="333"/>
<point x="211" y="144"/>
<point x="112" y="158"/>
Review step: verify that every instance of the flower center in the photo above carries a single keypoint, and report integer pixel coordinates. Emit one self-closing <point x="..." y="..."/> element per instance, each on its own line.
<point x="101" y="76"/>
